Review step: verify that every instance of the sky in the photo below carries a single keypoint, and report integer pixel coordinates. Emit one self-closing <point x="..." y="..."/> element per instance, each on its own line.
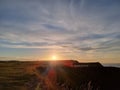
<point x="84" y="30"/>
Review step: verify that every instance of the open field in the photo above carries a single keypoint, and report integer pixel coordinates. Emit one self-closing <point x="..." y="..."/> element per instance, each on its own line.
<point x="15" y="75"/>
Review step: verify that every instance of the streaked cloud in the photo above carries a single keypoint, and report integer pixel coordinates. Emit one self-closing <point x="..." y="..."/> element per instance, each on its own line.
<point x="71" y="25"/>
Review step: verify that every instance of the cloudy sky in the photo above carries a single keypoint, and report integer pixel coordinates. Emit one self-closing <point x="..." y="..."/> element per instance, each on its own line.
<point x="85" y="30"/>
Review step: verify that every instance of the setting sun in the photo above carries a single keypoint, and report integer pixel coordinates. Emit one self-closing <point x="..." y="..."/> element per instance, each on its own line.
<point x="54" y="57"/>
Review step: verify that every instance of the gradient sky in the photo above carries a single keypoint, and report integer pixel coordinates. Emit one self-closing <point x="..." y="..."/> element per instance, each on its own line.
<point x="85" y="30"/>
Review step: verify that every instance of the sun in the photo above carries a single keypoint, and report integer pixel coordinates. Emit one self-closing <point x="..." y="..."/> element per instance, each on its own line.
<point x="54" y="57"/>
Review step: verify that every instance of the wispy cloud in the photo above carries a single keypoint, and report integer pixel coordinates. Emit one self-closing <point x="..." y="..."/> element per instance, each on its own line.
<point x="68" y="24"/>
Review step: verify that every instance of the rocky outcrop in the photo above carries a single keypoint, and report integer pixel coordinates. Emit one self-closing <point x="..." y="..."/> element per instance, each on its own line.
<point x="86" y="76"/>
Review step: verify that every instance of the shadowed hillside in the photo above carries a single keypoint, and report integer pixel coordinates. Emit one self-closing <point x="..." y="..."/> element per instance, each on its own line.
<point x="58" y="75"/>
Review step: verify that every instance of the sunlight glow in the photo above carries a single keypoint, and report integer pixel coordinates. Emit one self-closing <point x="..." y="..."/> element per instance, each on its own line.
<point x="54" y="57"/>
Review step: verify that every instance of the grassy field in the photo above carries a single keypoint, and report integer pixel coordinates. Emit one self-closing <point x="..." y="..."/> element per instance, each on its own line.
<point x="15" y="75"/>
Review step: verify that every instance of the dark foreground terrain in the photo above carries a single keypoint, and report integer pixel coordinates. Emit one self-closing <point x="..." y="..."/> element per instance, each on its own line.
<point x="58" y="75"/>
